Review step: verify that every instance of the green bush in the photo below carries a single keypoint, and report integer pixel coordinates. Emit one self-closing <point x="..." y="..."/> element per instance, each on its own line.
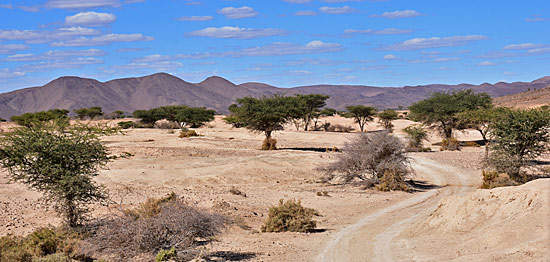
<point x="290" y="216"/>
<point x="492" y="179"/>
<point x="166" y="255"/>
<point x="32" y="119"/>
<point x="126" y="124"/>
<point x="417" y="135"/>
<point x="188" y="133"/>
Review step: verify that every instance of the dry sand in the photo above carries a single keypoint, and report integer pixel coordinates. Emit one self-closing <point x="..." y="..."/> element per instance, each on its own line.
<point x="204" y="169"/>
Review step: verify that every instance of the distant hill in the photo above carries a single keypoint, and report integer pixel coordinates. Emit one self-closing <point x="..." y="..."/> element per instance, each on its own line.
<point x="130" y="94"/>
<point x="531" y="98"/>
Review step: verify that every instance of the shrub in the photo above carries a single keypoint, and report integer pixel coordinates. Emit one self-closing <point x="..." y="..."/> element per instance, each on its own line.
<point x="393" y="179"/>
<point x="325" y="126"/>
<point x="290" y="216"/>
<point x="366" y="158"/>
<point x="160" y="224"/>
<point x="126" y="124"/>
<point x="269" y="144"/>
<point x="188" y="133"/>
<point x="417" y="135"/>
<point x="31" y="119"/>
<point x="166" y="255"/>
<point x="44" y="244"/>
<point x="492" y="179"/>
<point x="450" y="144"/>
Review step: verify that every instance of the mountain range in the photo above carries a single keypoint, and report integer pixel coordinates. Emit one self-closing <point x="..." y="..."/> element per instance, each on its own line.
<point x="130" y="94"/>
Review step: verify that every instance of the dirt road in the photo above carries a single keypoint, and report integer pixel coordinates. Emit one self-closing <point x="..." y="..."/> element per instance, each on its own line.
<point x="376" y="236"/>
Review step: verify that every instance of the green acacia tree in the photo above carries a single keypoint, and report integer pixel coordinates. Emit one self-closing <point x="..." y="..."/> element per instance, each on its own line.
<point x="440" y="110"/>
<point x="30" y="119"/>
<point x="196" y="116"/>
<point x="60" y="161"/>
<point x="519" y="135"/>
<point x="361" y="114"/>
<point x="386" y="118"/>
<point x="265" y="114"/>
<point x="310" y="105"/>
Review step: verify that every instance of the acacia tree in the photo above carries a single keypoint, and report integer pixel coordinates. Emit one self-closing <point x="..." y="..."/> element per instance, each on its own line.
<point x="480" y="120"/>
<point x="386" y="118"/>
<point x="30" y="119"/>
<point x="440" y="110"/>
<point x="60" y="162"/>
<point x="266" y="114"/>
<point x="519" y="135"/>
<point x="309" y="106"/>
<point x="361" y="114"/>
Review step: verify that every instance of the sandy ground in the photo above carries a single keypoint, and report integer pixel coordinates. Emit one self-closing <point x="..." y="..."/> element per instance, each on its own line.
<point x="356" y="224"/>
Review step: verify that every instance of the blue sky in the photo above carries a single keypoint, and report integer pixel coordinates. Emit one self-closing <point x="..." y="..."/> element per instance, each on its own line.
<point x="284" y="43"/>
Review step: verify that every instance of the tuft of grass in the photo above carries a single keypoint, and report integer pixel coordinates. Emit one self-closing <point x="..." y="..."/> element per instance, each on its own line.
<point x="188" y="133"/>
<point x="290" y="216"/>
<point x="269" y="144"/>
<point x="450" y="144"/>
<point x="492" y="179"/>
<point x="393" y="180"/>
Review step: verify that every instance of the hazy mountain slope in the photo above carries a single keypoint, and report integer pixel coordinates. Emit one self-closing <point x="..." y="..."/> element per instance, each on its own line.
<point x="129" y="94"/>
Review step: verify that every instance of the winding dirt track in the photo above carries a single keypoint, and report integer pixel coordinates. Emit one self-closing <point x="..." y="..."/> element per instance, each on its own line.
<point x="375" y="237"/>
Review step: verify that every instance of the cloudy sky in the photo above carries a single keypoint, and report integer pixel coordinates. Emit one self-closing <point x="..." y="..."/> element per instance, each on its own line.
<point x="280" y="42"/>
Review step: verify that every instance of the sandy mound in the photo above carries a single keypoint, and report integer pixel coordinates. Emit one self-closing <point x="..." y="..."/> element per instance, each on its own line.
<point x="502" y="224"/>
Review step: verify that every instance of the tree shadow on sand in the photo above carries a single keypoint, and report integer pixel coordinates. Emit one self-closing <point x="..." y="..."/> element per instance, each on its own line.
<point x="229" y="256"/>
<point x="421" y="186"/>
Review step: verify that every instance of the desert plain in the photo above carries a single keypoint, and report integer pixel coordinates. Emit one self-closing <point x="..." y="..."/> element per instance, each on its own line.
<point x="447" y="218"/>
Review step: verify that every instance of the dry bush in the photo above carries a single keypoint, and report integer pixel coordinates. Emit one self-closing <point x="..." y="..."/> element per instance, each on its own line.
<point x="44" y="244"/>
<point x="366" y="158"/>
<point x="188" y="133"/>
<point x="393" y="180"/>
<point x="165" y="124"/>
<point x="450" y="144"/>
<point x="339" y="128"/>
<point x="290" y="216"/>
<point x="492" y="179"/>
<point x="269" y="144"/>
<point x="154" y="226"/>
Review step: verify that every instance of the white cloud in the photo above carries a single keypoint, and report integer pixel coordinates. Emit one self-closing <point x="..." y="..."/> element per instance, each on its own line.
<point x="236" y="32"/>
<point x="274" y="49"/>
<point x="279" y="49"/>
<point x="434" y="42"/>
<point x="539" y="50"/>
<point x="103" y="40"/>
<point x="33" y="8"/>
<point x="10" y="48"/>
<point x="7" y="6"/>
<point x="195" y="18"/>
<point x="55" y="55"/>
<point x="19" y="34"/>
<point x="399" y="14"/>
<point x="77" y="31"/>
<point x="90" y="19"/>
<point x="387" y="31"/>
<point x="238" y="13"/>
<point x="337" y="10"/>
<point x="305" y="13"/>
<point x="166" y="65"/>
<point x="390" y="57"/>
<point x="81" y="4"/>
<point x="486" y="63"/>
<point x="7" y="73"/>
<point x="522" y="46"/>
<point x="61" y="64"/>
<point x="536" y="18"/>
